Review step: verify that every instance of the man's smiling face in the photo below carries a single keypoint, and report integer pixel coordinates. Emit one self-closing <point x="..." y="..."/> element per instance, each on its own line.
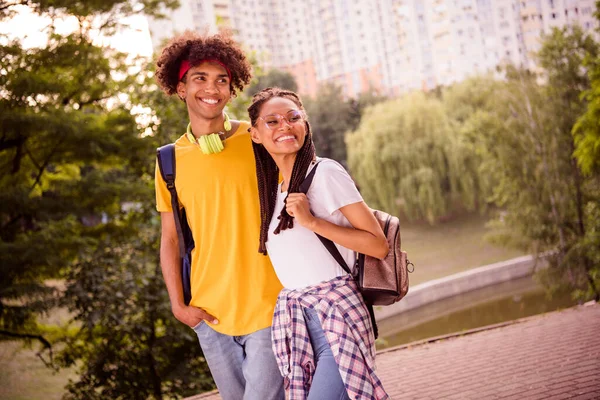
<point x="206" y="90"/>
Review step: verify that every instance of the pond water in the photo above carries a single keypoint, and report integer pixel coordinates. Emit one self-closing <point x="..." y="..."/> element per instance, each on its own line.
<point x="490" y="305"/>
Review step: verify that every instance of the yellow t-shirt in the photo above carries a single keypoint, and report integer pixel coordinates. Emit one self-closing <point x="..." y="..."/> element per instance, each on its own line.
<point x="230" y="279"/>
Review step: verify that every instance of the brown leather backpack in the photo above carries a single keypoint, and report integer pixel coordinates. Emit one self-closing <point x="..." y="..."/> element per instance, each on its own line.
<point x="384" y="282"/>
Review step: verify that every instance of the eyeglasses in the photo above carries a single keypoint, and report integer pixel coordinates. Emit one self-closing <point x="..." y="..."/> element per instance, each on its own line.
<point x="292" y="117"/>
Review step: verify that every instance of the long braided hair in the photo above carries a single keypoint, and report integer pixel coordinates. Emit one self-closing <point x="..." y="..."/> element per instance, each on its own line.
<point x="267" y="171"/>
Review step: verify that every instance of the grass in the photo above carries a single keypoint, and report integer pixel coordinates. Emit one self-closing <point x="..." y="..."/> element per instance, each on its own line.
<point x="23" y="376"/>
<point x="445" y="249"/>
<point x="436" y="251"/>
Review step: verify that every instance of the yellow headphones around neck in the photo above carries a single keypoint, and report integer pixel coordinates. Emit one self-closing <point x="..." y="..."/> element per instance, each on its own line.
<point x="211" y="143"/>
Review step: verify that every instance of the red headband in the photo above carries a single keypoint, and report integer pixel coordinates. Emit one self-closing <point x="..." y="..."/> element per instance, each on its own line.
<point x="185" y="66"/>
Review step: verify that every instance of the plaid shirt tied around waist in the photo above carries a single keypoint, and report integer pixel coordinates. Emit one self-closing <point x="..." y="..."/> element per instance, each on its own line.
<point x="347" y="327"/>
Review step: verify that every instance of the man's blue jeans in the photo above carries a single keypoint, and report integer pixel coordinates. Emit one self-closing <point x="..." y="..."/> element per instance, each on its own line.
<point x="243" y="367"/>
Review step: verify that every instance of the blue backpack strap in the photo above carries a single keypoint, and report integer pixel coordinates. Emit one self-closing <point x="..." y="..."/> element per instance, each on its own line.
<point x="166" y="165"/>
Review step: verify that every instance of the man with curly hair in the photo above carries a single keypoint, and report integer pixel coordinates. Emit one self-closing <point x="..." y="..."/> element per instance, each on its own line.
<point x="234" y="288"/>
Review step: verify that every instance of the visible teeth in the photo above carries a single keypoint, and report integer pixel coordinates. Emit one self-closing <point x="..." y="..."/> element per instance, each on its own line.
<point x="210" y="101"/>
<point x="281" y="139"/>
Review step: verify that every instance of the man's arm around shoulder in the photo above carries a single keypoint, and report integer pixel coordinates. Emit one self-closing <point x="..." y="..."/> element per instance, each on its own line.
<point x="171" y="270"/>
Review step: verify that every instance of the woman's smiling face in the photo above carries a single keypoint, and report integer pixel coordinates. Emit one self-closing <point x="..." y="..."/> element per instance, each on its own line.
<point x="280" y="127"/>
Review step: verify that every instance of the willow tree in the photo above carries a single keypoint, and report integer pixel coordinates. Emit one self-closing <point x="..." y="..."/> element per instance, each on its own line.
<point x="407" y="156"/>
<point x="472" y="108"/>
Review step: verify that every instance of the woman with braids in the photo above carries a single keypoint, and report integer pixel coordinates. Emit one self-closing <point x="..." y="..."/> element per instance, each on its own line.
<point x="233" y="288"/>
<point x="322" y="333"/>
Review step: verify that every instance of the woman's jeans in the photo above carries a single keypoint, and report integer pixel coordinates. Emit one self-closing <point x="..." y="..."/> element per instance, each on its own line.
<point x="327" y="382"/>
<point x="243" y="367"/>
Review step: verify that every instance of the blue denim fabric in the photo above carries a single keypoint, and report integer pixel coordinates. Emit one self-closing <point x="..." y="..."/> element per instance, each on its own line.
<point x="243" y="367"/>
<point x="327" y="382"/>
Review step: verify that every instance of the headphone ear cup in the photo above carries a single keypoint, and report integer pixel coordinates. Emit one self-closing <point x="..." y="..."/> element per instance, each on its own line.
<point x="211" y="144"/>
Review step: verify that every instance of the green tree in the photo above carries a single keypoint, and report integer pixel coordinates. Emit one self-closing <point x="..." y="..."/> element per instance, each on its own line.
<point x="76" y="204"/>
<point x="330" y="117"/>
<point x="472" y="108"/>
<point x="273" y="78"/>
<point x="587" y="130"/>
<point x="128" y="345"/>
<point x="528" y="151"/>
<point x="66" y="159"/>
<point x="408" y="158"/>
<point x="361" y="104"/>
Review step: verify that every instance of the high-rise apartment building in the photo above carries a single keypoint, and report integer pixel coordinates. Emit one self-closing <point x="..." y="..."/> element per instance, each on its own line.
<point x="540" y="16"/>
<point x="385" y="46"/>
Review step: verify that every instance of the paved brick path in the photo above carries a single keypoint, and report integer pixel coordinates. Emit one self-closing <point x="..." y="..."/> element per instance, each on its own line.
<point x="549" y="356"/>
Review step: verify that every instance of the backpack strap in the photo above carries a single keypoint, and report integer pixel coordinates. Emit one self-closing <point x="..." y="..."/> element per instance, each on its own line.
<point x="335" y="253"/>
<point x="305" y="185"/>
<point x="166" y="165"/>
<point x="329" y="245"/>
<point x="333" y="250"/>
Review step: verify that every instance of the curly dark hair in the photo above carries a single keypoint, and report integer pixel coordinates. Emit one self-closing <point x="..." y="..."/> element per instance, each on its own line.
<point x="195" y="47"/>
<point x="267" y="171"/>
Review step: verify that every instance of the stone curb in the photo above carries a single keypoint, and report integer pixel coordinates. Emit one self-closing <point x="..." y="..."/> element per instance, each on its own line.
<point x="476" y="278"/>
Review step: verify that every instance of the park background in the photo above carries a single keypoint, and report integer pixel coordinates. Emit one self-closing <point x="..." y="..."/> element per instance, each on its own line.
<point x="496" y="165"/>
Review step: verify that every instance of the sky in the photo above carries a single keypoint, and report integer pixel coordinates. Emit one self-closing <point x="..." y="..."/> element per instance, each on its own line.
<point x="28" y="27"/>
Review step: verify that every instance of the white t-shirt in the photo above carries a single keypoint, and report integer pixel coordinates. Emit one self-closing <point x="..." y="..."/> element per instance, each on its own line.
<point x="298" y="256"/>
